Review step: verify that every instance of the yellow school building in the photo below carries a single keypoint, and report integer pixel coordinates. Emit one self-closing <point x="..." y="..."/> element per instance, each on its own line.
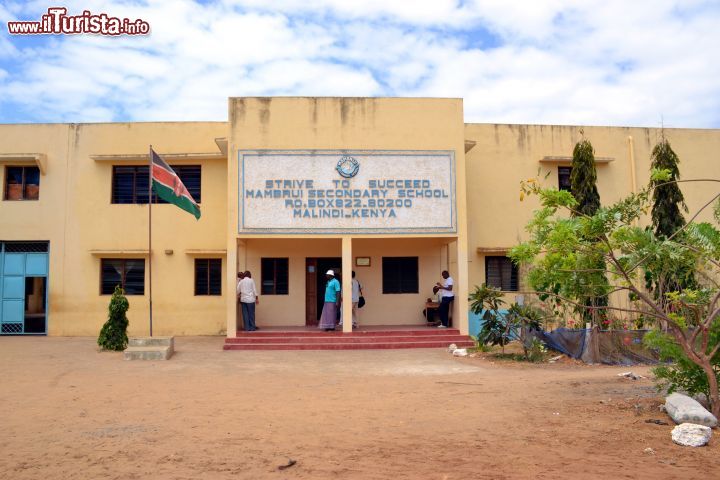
<point x="395" y="189"/>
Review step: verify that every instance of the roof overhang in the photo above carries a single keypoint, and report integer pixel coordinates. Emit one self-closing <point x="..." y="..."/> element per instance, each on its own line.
<point x="37" y="159"/>
<point x="170" y="157"/>
<point x="568" y="159"/>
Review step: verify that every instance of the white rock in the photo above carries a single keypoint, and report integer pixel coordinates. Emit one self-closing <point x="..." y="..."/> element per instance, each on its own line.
<point x="683" y="409"/>
<point x="452" y="348"/>
<point x="649" y="451"/>
<point x="460" y="352"/>
<point x="691" y="435"/>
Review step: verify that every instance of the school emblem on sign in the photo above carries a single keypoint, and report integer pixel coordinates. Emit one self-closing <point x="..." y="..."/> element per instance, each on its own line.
<point x="347" y="167"/>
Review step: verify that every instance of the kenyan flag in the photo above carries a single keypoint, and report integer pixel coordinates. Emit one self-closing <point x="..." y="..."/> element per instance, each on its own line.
<point x="168" y="186"/>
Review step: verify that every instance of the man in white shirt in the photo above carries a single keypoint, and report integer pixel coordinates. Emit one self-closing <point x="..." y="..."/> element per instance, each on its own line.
<point x="248" y="299"/>
<point x="357" y="291"/>
<point x="447" y="296"/>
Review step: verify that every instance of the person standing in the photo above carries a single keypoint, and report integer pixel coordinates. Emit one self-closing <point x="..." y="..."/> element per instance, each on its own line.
<point x="333" y="297"/>
<point x="238" y="310"/>
<point x="356" y="293"/>
<point x="248" y="299"/>
<point x="447" y="296"/>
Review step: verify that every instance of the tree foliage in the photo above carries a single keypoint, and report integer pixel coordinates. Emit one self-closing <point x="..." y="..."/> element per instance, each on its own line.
<point x="667" y="219"/>
<point x="583" y="179"/>
<point x="113" y="335"/>
<point x="487" y="302"/>
<point x="583" y="186"/>
<point x="667" y="197"/>
<point x="563" y="250"/>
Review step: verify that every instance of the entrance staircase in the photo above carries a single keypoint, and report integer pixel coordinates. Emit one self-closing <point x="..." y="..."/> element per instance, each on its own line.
<point x="363" y="339"/>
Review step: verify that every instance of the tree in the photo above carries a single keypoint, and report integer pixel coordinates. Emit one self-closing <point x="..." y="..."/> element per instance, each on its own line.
<point x="560" y="248"/>
<point x="667" y="218"/>
<point x="667" y="197"/>
<point x="583" y="186"/>
<point x="583" y="179"/>
<point x="113" y="335"/>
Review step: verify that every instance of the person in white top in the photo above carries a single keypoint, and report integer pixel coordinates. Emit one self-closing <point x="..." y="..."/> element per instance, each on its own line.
<point x="248" y="299"/>
<point x="356" y="293"/>
<point x="447" y="296"/>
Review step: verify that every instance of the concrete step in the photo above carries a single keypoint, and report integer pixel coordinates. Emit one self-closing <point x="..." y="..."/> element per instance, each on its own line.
<point x="151" y="352"/>
<point x="347" y="338"/>
<point x="151" y="341"/>
<point x="345" y="346"/>
<point x="372" y="333"/>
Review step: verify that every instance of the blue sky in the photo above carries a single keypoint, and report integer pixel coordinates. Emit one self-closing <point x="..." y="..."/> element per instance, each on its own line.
<point x="597" y="62"/>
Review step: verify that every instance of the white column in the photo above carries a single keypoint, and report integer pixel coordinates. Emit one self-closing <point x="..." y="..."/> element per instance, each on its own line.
<point x="347" y="266"/>
<point x="461" y="307"/>
<point x="235" y="263"/>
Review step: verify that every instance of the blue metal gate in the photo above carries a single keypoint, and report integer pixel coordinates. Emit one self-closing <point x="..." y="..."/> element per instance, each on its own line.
<point x="23" y="288"/>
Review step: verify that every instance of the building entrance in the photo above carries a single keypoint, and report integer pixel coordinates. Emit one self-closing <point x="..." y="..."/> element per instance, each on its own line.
<point x="23" y="288"/>
<point x="315" y="269"/>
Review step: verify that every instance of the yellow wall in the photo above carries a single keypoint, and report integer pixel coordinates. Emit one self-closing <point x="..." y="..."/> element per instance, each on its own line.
<point x="506" y="154"/>
<point x="302" y="123"/>
<point x="75" y="214"/>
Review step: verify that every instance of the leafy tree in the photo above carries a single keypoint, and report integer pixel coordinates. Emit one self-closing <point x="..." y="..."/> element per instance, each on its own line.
<point x="583" y="179"/>
<point x="561" y="248"/>
<point x="583" y="186"/>
<point x="667" y="197"/>
<point x="667" y="218"/>
<point x="113" y="335"/>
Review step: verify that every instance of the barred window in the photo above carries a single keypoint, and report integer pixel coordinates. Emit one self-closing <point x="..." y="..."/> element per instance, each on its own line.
<point x="502" y="273"/>
<point x="22" y="183"/>
<point x="208" y="276"/>
<point x="128" y="273"/>
<point x="274" y="276"/>
<point x="400" y="274"/>
<point x="130" y="183"/>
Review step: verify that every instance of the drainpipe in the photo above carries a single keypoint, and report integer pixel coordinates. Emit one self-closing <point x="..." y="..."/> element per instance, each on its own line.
<point x="631" y="157"/>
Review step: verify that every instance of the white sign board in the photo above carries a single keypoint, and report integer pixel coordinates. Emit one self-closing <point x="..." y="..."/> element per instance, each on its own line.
<point x="345" y="192"/>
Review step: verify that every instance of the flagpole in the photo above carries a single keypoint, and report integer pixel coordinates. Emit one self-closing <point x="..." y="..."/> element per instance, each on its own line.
<point x="150" y="176"/>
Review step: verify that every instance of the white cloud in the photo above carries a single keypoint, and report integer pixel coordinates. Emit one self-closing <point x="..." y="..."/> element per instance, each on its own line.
<point x="546" y="61"/>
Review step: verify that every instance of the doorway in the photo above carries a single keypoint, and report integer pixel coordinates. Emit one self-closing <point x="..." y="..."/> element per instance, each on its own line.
<point x="315" y="269"/>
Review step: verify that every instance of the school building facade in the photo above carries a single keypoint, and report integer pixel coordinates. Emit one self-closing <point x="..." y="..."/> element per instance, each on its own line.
<point x="396" y="189"/>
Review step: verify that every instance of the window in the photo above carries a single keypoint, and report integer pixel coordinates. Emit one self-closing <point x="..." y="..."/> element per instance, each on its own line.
<point x="564" y="178"/>
<point x="128" y="273"/>
<point x="130" y="183"/>
<point x="400" y="274"/>
<point x="208" y="274"/>
<point x="274" y="276"/>
<point x="22" y="183"/>
<point x="502" y="273"/>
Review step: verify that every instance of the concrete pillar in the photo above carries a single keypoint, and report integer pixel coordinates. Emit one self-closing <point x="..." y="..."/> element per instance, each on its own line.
<point x="461" y="307"/>
<point x="236" y="262"/>
<point x="347" y="266"/>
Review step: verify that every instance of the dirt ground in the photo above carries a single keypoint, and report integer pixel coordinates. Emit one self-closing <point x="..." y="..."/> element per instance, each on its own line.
<point x="69" y="412"/>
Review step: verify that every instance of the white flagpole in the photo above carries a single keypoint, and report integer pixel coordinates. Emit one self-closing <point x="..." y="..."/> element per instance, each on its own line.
<point x="150" y="234"/>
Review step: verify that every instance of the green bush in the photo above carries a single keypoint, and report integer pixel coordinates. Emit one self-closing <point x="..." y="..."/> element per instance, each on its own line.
<point x="486" y="302"/>
<point x="682" y="374"/>
<point x="113" y="335"/>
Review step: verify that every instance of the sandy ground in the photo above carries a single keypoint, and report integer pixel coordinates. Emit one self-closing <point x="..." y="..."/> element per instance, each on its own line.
<point x="69" y="412"/>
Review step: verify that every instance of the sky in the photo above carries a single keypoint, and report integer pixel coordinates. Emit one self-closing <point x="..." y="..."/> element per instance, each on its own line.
<point x="580" y="62"/>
